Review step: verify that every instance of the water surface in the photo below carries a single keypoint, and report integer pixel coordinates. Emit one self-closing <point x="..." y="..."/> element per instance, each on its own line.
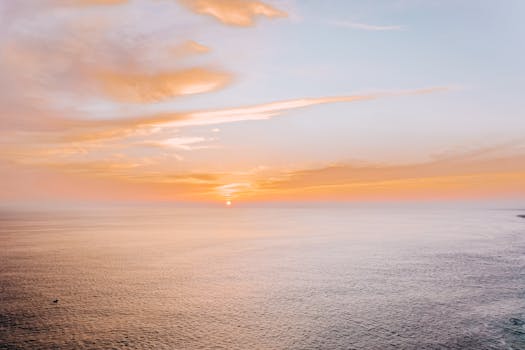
<point x="313" y="278"/>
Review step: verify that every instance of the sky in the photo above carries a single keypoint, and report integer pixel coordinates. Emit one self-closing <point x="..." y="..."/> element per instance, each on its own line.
<point x="257" y="101"/>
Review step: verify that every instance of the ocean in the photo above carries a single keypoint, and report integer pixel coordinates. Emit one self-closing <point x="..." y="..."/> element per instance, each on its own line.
<point x="262" y="278"/>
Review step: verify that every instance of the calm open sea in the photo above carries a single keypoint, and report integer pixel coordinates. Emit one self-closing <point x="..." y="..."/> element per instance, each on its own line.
<point x="262" y="279"/>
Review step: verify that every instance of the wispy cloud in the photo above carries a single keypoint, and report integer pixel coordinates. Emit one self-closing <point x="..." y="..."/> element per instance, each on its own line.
<point x="147" y="88"/>
<point x="93" y="2"/>
<point x="190" y="47"/>
<point x="273" y="109"/>
<point x="492" y="171"/>
<point x="156" y="129"/>
<point x="93" y="130"/>
<point x="232" y="190"/>
<point x="496" y="170"/>
<point x="241" y="13"/>
<point x="87" y="148"/>
<point x="89" y="2"/>
<point x="365" y="26"/>
<point x="183" y="143"/>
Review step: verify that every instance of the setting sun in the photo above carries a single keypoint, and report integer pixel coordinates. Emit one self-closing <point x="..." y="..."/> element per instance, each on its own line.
<point x="228" y="203"/>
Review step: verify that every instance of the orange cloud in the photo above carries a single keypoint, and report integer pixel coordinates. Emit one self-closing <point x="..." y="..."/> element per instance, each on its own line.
<point x="71" y="136"/>
<point x="100" y="181"/>
<point x="476" y="174"/>
<point x="491" y="172"/>
<point x="148" y="88"/>
<point x="490" y="185"/>
<point x="240" y="13"/>
<point x="270" y="110"/>
<point x="190" y="47"/>
<point x="80" y="63"/>
<point x="97" y="130"/>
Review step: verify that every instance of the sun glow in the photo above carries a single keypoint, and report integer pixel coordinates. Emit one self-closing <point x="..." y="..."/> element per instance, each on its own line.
<point x="228" y="203"/>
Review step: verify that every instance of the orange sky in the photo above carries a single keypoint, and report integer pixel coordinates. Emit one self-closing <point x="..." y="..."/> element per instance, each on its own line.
<point x="201" y="100"/>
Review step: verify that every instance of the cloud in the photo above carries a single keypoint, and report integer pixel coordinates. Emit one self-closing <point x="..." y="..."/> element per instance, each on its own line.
<point x="190" y="47"/>
<point x="231" y="190"/>
<point x="101" y="181"/>
<point x="88" y="131"/>
<point x="75" y="141"/>
<point x="148" y="88"/>
<point x="86" y="58"/>
<point x="489" y="172"/>
<point x="183" y="143"/>
<point x="273" y="109"/>
<point x="97" y="130"/>
<point x="90" y="2"/>
<point x="365" y="26"/>
<point x="484" y="172"/>
<point x="240" y="13"/>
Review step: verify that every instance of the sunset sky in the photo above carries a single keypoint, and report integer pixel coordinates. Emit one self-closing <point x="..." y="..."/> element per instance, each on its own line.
<point x="255" y="101"/>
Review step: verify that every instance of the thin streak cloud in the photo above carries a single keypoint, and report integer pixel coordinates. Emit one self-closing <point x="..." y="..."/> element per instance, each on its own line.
<point x="273" y="109"/>
<point x="90" y="2"/>
<point x="365" y="26"/>
<point x="481" y="172"/>
<point x="189" y="48"/>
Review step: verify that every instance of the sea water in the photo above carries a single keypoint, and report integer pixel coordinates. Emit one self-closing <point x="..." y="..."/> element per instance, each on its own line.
<point x="262" y="278"/>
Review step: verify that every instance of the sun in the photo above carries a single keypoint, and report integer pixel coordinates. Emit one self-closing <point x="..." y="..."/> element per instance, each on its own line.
<point x="228" y="203"/>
